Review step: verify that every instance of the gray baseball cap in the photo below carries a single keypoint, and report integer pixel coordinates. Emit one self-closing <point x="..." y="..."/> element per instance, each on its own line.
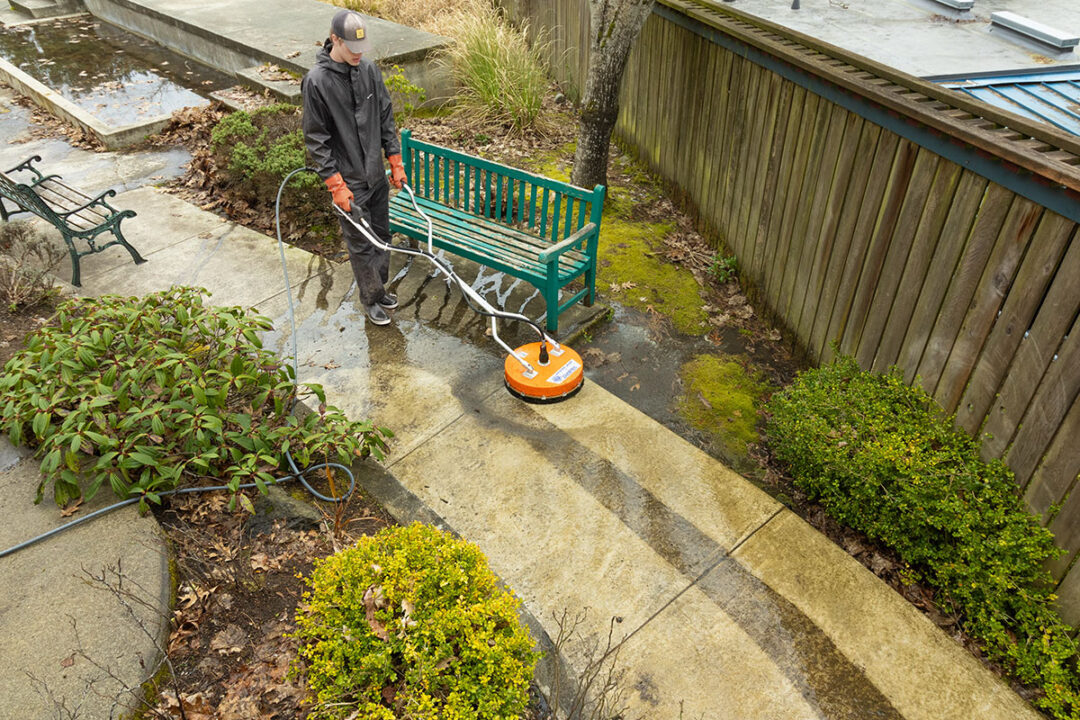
<point x="349" y="25"/>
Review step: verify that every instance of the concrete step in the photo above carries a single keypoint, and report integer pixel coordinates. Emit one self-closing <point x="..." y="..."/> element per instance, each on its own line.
<point x="38" y="9"/>
<point x="278" y="82"/>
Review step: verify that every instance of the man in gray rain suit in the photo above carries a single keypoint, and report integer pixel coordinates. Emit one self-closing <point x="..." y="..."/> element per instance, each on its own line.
<point x="348" y="120"/>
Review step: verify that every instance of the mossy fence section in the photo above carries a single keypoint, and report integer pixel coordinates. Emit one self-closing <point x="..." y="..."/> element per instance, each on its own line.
<point x="905" y="223"/>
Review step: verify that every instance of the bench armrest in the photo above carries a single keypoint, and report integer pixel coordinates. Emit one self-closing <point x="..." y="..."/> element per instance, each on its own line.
<point x="99" y="200"/>
<point x="28" y="164"/>
<point x="553" y="252"/>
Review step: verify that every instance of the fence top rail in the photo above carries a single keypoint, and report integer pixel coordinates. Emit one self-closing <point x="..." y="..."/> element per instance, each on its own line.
<point x="1035" y="147"/>
<point x="516" y="174"/>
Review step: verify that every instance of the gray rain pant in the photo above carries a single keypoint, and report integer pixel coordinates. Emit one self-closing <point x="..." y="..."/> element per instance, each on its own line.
<point x="370" y="265"/>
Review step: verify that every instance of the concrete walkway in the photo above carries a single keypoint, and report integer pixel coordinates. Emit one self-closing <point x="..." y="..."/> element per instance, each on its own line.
<point x="732" y="606"/>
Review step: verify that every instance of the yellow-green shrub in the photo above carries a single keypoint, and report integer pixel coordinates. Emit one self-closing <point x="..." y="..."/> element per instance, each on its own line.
<point x="412" y="623"/>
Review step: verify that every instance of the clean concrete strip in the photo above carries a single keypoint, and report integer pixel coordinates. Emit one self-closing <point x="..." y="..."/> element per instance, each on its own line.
<point x="924" y="673"/>
<point x="508" y="481"/>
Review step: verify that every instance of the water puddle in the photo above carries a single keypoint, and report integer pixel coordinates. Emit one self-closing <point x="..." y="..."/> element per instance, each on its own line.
<point x="115" y="76"/>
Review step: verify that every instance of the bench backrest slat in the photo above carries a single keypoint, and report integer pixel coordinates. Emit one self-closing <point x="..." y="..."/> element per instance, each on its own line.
<point x="547" y="208"/>
<point x="27" y="198"/>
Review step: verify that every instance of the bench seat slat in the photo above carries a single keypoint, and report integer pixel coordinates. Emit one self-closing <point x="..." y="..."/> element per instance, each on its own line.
<point x="505" y="245"/>
<point x="520" y="235"/>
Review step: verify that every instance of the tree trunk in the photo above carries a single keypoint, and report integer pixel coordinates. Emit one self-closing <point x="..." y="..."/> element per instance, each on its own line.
<point x="615" y="25"/>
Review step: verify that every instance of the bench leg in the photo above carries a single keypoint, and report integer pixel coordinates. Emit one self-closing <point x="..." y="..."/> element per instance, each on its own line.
<point x="76" y="277"/>
<point x="551" y="299"/>
<point x="3" y="212"/>
<point x="139" y="259"/>
<point x="590" y="284"/>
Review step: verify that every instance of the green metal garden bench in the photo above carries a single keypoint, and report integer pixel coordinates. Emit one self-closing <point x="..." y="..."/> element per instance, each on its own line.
<point x="75" y="214"/>
<point x="528" y="226"/>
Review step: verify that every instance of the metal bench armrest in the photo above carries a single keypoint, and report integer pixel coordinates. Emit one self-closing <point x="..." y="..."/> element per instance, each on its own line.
<point x="553" y="252"/>
<point x="28" y="164"/>
<point x="99" y="200"/>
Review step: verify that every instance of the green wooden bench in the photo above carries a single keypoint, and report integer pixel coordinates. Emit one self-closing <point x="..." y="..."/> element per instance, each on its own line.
<point x="530" y="227"/>
<point x="75" y="214"/>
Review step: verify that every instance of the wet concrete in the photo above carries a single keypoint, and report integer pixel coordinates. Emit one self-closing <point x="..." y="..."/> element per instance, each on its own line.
<point x="90" y="171"/>
<point x="115" y="76"/>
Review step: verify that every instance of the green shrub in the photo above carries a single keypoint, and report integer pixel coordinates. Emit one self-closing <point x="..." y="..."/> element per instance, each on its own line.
<point x="879" y="456"/>
<point x="147" y="394"/>
<point x="501" y="78"/>
<point x="404" y="94"/>
<point x="412" y="623"/>
<point x="258" y="149"/>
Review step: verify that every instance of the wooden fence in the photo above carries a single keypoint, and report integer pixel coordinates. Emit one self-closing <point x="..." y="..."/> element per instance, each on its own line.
<point x="903" y="223"/>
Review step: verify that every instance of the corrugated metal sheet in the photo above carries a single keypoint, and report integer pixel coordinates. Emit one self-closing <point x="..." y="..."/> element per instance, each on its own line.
<point x="1052" y="97"/>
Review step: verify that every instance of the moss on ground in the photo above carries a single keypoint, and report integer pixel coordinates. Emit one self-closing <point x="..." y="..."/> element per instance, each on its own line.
<point x="720" y="398"/>
<point x="630" y="271"/>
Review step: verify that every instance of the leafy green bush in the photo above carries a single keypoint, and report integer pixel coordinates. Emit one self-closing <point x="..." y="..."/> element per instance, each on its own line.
<point x="878" y="455"/>
<point x="411" y="623"/>
<point x="501" y="77"/>
<point x="149" y="394"/>
<point x="261" y="147"/>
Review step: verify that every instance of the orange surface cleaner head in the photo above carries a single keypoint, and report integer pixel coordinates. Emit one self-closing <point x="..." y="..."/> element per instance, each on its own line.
<point x="559" y="379"/>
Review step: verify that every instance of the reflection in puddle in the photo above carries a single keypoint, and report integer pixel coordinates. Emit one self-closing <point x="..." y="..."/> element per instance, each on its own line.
<point x="115" y="76"/>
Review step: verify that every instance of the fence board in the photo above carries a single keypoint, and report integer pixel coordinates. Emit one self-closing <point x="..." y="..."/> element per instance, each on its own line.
<point x="1037" y="349"/>
<point x="1016" y="316"/>
<point x="703" y="67"/>
<point x="869" y="209"/>
<point x="748" y="154"/>
<point x="751" y="266"/>
<point x="931" y="225"/>
<point x="791" y="188"/>
<point x="778" y="197"/>
<point x="1056" y="394"/>
<point x="759" y="165"/>
<point x="817" y="244"/>
<point x="851" y="127"/>
<point x="714" y="144"/>
<point x="994" y="211"/>
<point x="900" y="238"/>
<point x="820" y="165"/>
<point x="731" y="143"/>
<point x="806" y="209"/>
<point x="798" y="211"/>
<point x="862" y="165"/>
<point x="986" y="302"/>
<point x="1056" y="478"/>
<point x="884" y="225"/>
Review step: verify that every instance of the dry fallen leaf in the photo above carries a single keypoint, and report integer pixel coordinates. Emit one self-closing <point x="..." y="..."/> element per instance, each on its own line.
<point x="373" y="598"/>
<point x="229" y="641"/>
<point x="71" y="509"/>
<point x="68" y="661"/>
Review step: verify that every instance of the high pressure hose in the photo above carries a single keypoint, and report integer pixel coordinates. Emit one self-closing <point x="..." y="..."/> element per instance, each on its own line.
<point x="296" y="472"/>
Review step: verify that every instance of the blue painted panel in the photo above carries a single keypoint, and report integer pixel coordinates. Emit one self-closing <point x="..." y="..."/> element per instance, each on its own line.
<point x="1050" y="97"/>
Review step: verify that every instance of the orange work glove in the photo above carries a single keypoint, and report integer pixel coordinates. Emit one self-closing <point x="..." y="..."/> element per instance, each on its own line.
<point x="397" y="171"/>
<point x="342" y="194"/>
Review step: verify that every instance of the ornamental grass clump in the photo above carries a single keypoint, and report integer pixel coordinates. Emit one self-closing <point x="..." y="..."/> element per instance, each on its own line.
<point x="411" y="623"/>
<point x="880" y="458"/>
<point x="502" y="78"/>
<point x="145" y="395"/>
